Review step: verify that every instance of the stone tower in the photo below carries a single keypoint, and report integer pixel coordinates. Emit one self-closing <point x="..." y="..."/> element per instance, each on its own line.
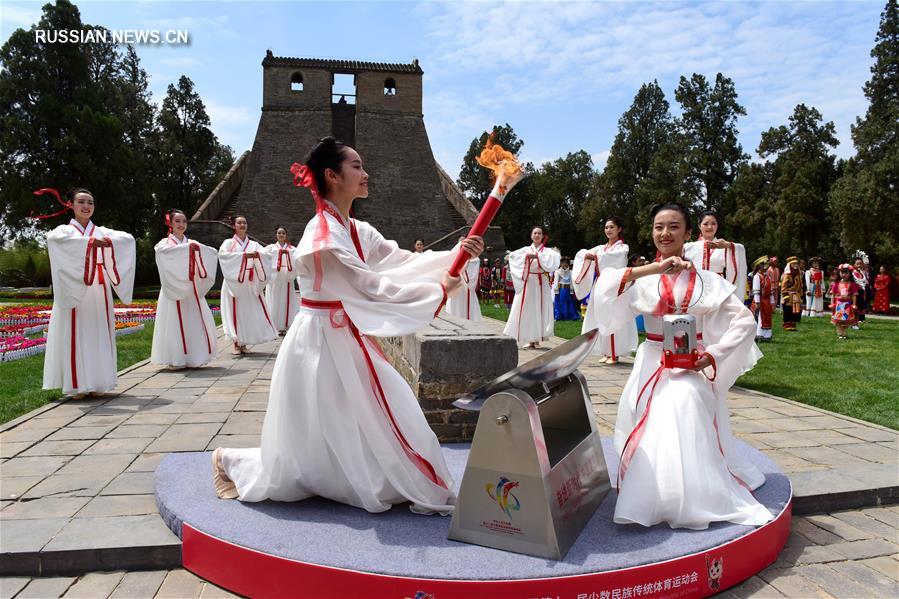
<point x="410" y="195"/>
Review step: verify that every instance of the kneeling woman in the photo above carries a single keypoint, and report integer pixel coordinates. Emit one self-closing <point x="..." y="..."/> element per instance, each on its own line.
<point x="184" y="335"/>
<point x="245" y="317"/>
<point x="678" y="463"/>
<point x="341" y="422"/>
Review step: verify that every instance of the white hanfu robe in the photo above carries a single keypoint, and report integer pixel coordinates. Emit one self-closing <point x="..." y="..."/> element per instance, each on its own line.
<point x="184" y="334"/>
<point x="341" y="422"/>
<point x="814" y="285"/>
<point x="465" y="303"/>
<point x="607" y="256"/>
<point x="245" y="317"/>
<point x="682" y="467"/>
<point x="279" y="293"/>
<point x="531" y="318"/>
<point x="81" y="350"/>
<point x="729" y="263"/>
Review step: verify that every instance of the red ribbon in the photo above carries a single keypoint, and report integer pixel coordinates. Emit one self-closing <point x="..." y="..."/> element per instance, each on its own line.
<point x="50" y="190"/>
<point x="302" y="177"/>
<point x="168" y="222"/>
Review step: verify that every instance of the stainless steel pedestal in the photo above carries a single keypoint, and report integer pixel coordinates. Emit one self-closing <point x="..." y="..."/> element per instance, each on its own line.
<point x="536" y="471"/>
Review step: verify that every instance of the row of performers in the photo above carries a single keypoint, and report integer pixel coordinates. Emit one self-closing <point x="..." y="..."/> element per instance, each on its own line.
<point x="341" y="423"/>
<point x="90" y="263"/>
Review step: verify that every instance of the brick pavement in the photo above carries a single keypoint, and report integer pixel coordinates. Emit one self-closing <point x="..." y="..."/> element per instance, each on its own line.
<point x="77" y="482"/>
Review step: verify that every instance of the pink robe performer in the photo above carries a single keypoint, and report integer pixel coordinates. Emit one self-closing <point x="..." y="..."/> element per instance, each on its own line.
<point x="184" y="334"/>
<point x="81" y="349"/>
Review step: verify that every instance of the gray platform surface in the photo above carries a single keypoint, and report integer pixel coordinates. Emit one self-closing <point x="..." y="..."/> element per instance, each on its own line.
<point x="401" y="543"/>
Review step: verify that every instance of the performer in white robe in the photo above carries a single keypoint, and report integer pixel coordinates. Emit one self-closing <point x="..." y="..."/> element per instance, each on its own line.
<point x="184" y="333"/>
<point x="279" y="293"/>
<point x="87" y="263"/>
<point x="341" y="422"/>
<point x="814" y="289"/>
<point x="587" y="267"/>
<point x="531" y="316"/>
<point x="245" y="317"/>
<point x="722" y="257"/>
<point x="465" y="304"/>
<point x="672" y="430"/>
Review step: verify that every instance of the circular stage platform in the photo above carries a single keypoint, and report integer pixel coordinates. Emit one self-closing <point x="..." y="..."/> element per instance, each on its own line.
<point x="318" y="548"/>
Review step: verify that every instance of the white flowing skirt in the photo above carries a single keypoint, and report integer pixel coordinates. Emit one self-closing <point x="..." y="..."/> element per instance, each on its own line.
<point x="622" y="343"/>
<point x="464" y="305"/>
<point x="531" y="318"/>
<point x="197" y="334"/>
<point x="326" y="433"/>
<point x="283" y="306"/>
<point x="245" y="319"/>
<point x="685" y="471"/>
<point x="93" y="364"/>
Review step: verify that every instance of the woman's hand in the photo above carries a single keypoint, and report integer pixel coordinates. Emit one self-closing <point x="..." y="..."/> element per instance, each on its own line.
<point x="102" y="242"/>
<point x="704" y="361"/>
<point x="589" y="256"/>
<point x="473" y="245"/>
<point x="674" y="265"/>
<point x="721" y="244"/>
<point x="453" y="285"/>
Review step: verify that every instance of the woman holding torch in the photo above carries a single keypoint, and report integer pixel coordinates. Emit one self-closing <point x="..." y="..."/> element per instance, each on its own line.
<point x="341" y="422"/>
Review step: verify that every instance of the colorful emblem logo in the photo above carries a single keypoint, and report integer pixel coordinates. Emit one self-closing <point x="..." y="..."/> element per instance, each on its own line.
<point x="502" y="494"/>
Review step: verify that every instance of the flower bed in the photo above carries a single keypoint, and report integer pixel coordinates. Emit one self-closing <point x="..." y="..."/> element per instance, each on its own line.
<point x="15" y="347"/>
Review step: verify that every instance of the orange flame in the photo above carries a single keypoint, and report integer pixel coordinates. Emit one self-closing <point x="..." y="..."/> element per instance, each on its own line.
<point x="498" y="159"/>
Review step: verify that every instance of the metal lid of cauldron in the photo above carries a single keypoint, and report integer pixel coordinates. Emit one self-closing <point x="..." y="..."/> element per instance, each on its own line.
<point x="555" y="364"/>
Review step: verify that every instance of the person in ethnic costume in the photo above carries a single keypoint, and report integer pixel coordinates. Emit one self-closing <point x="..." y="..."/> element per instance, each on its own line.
<point x="860" y="276"/>
<point x="791" y="293"/>
<point x="280" y="295"/>
<point x="882" y="292"/>
<point x="722" y="257"/>
<point x="564" y="304"/>
<point x="184" y="333"/>
<point x="245" y="268"/>
<point x="814" y="289"/>
<point x="762" y="298"/>
<point x="341" y="423"/>
<point x="588" y="264"/>
<point x="678" y="464"/>
<point x="531" y="316"/>
<point x="843" y="304"/>
<point x="87" y="264"/>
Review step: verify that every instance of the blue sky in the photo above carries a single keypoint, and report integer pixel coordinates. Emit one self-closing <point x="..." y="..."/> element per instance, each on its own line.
<point x="560" y="73"/>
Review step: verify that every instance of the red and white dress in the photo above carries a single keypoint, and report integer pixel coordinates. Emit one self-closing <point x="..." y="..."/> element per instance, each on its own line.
<point x="341" y="422"/>
<point x="531" y="318"/>
<point x="673" y="425"/>
<point x="465" y="303"/>
<point x="279" y="293"/>
<point x="245" y="317"/>
<point x="729" y="263"/>
<point x="81" y="350"/>
<point x="184" y="333"/>
<point x="814" y="285"/>
<point x="585" y="278"/>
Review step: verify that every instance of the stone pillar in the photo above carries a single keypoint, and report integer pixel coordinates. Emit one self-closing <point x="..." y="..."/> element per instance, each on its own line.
<point x="449" y="358"/>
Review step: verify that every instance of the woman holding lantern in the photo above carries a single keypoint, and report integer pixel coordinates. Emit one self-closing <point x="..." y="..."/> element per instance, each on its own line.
<point x="678" y="463"/>
<point x="341" y="422"/>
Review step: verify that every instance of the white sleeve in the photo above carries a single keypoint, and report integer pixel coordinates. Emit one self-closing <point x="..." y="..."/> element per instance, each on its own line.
<point x="549" y="260"/>
<point x="68" y="254"/>
<point x="731" y="331"/>
<point x="123" y="256"/>
<point x="611" y="298"/>
<point x="737" y="275"/>
<point x="582" y="274"/>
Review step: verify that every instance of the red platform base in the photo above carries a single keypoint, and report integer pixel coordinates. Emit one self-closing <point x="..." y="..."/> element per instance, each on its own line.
<point x="256" y="574"/>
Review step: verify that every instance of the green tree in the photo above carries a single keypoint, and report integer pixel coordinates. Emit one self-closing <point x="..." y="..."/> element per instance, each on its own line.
<point x="561" y="189"/>
<point x="711" y="153"/>
<point x="803" y="172"/>
<point x="192" y="158"/>
<point x="865" y="200"/>
<point x="474" y="180"/>
<point x="640" y="171"/>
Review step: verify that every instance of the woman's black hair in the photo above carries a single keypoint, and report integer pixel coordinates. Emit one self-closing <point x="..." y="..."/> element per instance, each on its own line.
<point x="542" y="230"/>
<point x="280" y="228"/>
<point x="615" y="220"/>
<point x="236" y="216"/>
<point x="328" y="153"/>
<point x="711" y="213"/>
<point x="672" y="206"/>
<point x="417" y="239"/>
<point x="175" y="211"/>
<point x="70" y="195"/>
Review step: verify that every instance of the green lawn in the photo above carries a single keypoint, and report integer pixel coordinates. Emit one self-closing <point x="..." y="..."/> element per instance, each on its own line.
<point x="858" y="377"/>
<point x="22" y="378"/>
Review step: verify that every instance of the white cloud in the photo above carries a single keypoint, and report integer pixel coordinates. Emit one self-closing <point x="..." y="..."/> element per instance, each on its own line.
<point x="223" y="115"/>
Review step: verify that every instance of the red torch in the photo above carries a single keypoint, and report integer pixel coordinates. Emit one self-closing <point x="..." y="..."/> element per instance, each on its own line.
<point x="507" y="172"/>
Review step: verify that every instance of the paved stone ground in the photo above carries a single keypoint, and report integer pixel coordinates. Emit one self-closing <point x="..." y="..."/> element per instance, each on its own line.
<point x="77" y="481"/>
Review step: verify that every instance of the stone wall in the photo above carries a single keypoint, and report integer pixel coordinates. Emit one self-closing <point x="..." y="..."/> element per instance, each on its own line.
<point x="449" y="358"/>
